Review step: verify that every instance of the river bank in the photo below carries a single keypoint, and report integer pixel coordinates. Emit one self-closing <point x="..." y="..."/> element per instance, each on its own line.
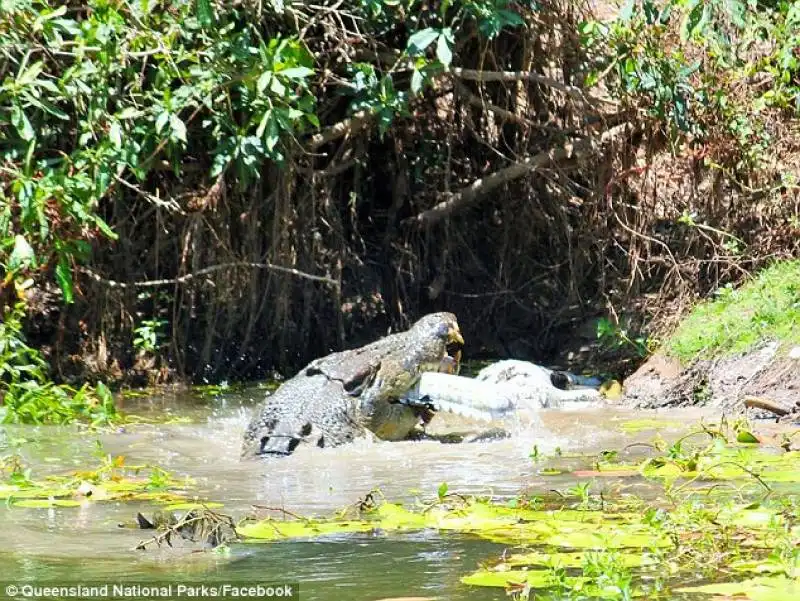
<point x="742" y="344"/>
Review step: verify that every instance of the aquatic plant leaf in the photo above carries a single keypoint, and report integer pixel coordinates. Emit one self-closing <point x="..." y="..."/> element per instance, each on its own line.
<point x="505" y="579"/>
<point x="396" y="517"/>
<point x="587" y="539"/>
<point x="670" y="469"/>
<point x="746" y="437"/>
<point x="575" y="535"/>
<point x="749" y="518"/>
<point x="767" y="566"/>
<point x="268" y="530"/>
<point x="766" y="588"/>
<point x="606" y="473"/>
<point x="781" y="476"/>
<point x="475" y="516"/>
<point x="574" y="559"/>
<point x="36" y="492"/>
<point x="550" y="471"/>
<point x="47" y="503"/>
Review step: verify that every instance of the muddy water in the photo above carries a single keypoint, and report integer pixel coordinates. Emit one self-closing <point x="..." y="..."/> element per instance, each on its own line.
<point x="60" y="543"/>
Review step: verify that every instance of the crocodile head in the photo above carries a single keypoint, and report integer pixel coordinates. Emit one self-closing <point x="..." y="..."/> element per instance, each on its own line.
<point x="354" y="393"/>
<point x="422" y="348"/>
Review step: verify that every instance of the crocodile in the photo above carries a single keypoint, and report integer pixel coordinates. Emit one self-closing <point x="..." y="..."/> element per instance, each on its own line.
<point x="501" y="389"/>
<point x="355" y="393"/>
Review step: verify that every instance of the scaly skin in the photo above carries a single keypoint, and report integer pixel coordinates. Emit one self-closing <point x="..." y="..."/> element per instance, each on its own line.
<point x="352" y="394"/>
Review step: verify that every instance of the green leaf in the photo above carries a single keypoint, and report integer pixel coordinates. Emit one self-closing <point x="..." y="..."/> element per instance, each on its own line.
<point x="417" y="81"/>
<point x="30" y="74"/>
<point x="21" y="123"/>
<point x="46" y="503"/>
<point x="161" y="121"/>
<point x="769" y="588"/>
<point x="22" y="256"/>
<point x="205" y="13"/>
<point x="297" y="72"/>
<point x="263" y="81"/>
<point x="262" y="126"/>
<point x="105" y="228"/>
<point x="443" y="51"/>
<point x="64" y="279"/>
<point x="737" y="10"/>
<point x="746" y="437"/>
<point x="115" y="134"/>
<point x="277" y="87"/>
<point x="178" y="127"/>
<point x="103" y="393"/>
<point x="421" y="40"/>
<point x="130" y="112"/>
<point x="442" y="492"/>
<point x="693" y="20"/>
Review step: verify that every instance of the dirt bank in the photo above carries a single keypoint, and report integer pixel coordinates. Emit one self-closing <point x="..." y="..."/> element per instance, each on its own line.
<point x="770" y="372"/>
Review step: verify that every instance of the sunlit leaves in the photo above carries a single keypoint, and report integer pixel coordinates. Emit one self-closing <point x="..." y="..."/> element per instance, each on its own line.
<point x="20" y="121"/>
<point x="64" y="278"/>
<point x="22" y="256"/>
<point x="178" y="128"/>
<point x="765" y="588"/>
<point x="444" y="47"/>
<point x="126" y="89"/>
<point x="420" y="40"/>
<point x="205" y="13"/>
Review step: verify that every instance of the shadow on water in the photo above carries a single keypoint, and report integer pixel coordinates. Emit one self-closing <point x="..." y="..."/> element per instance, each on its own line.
<point x="57" y="543"/>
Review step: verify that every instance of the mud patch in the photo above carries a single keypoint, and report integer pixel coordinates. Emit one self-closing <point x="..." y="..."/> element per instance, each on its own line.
<point x="768" y="372"/>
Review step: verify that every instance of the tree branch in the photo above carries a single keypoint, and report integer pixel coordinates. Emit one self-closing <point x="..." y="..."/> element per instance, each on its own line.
<point x="481" y="187"/>
<point x="353" y="124"/>
<point x="190" y="276"/>
<point x="572" y="91"/>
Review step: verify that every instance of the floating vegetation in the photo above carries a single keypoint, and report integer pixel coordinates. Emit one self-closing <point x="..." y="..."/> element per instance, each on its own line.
<point x="112" y="480"/>
<point x="719" y="528"/>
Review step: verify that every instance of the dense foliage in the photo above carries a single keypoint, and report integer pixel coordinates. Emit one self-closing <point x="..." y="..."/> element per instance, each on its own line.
<point x="221" y="188"/>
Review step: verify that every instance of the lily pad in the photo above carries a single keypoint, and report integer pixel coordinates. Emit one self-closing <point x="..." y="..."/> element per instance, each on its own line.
<point x="47" y="503"/>
<point x="766" y="588"/>
<point x="269" y="530"/>
<point x="574" y="559"/>
<point x="505" y="579"/>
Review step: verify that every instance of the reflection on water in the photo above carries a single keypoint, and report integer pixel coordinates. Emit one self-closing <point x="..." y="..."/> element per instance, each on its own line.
<point x="86" y="540"/>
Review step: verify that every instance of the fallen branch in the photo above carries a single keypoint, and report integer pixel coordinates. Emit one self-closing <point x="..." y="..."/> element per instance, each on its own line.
<point x="190" y="276"/>
<point x="754" y="402"/>
<point x="481" y="187"/>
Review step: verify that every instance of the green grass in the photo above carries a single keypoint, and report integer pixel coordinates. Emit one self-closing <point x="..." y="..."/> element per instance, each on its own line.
<point x="764" y="308"/>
